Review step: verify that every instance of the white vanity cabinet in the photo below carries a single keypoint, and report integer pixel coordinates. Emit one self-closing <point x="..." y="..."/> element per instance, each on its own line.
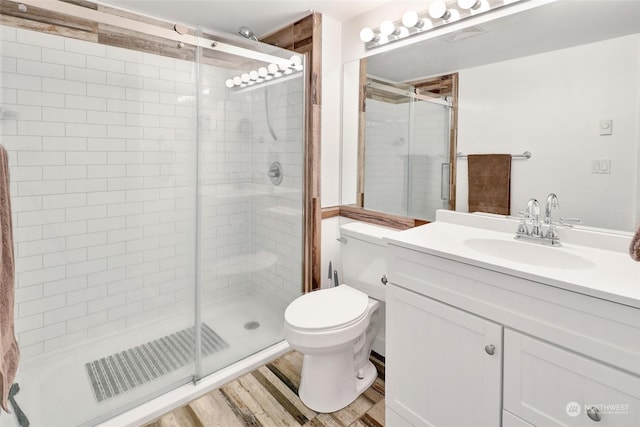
<point x="550" y="386"/>
<point x="552" y="348"/>
<point x="445" y="363"/>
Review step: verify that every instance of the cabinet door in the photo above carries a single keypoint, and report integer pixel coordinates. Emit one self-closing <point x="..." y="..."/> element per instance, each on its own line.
<point x="550" y="386"/>
<point x="439" y="372"/>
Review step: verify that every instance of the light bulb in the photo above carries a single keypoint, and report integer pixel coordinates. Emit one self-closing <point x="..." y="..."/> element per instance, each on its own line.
<point x="295" y="60"/>
<point x="410" y="19"/>
<point x="299" y="67"/>
<point x="229" y="83"/>
<point x="387" y="28"/>
<point x="245" y="77"/>
<point x="273" y="68"/>
<point x="438" y="9"/>
<point x="469" y="4"/>
<point x="262" y="71"/>
<point x="367" y="34"/>
<point x="237" y="80"/>
<point x="383" y="39"/>
<point x="403" y="32"/>
<point x="254" y="75"/>
<point x="288" y="71"/>
<point x="426" y="24"/>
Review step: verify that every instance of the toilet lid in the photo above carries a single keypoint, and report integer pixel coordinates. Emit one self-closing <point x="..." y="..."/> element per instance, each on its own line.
<point x="327" y="308"/>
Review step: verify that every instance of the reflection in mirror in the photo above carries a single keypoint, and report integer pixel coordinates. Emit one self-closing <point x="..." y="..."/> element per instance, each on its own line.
<point x="406" y="147"/>
<point x="546" y="89"/>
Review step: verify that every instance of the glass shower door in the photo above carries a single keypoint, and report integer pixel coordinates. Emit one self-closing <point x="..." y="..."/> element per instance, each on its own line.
<point x="428" y="160"/>
<point x="406" y="152"/>
<point x="251" y="174"/>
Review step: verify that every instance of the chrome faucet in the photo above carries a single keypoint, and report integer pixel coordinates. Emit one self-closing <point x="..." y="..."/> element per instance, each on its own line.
<point x="552" y="203"/>
<point x="535" y="233"/>
<point x="533" y="212"/>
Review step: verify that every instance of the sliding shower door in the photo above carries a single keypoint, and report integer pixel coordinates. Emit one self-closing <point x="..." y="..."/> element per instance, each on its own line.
<point x="406" y="152"/>
<point x="428" y="159"/>
<point x="102" y="146"/>
<point x="251" y="174"/>
<point x="158" y="212"/>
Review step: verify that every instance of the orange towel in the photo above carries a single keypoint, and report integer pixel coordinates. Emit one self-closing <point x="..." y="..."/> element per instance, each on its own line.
<point x="490" y="183"/>
<point x="634" y="247"/>
<point x="9" y="352"/>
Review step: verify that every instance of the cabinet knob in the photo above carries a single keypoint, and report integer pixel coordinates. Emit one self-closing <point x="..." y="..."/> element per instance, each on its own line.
<point x="384" y="279"/>
<point x="490" y="349"/>
<point x="594" y="414"/>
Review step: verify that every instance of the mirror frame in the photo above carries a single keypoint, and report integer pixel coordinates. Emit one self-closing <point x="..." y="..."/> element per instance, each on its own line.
<point x="445" y="85"/>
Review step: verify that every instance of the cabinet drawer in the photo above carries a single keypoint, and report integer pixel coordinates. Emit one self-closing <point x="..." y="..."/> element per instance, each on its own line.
<point x="550" y="386"/>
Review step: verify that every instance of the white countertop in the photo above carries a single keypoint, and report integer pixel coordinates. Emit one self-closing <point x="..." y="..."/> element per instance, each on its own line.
<point x="604" y="271"/>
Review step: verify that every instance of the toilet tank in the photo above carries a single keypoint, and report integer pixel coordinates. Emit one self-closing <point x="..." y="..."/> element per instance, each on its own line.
<point x="363" y="257"/>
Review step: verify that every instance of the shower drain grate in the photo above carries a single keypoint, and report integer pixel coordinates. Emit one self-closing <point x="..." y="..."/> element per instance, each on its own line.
<point x="121" y="372"/>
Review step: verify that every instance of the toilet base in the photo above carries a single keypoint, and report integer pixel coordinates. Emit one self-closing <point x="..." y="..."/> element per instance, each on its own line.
<point x="329" y="382"/>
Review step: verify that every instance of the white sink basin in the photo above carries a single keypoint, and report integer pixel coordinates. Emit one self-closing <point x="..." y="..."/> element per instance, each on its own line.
<point x="529" y="253"/>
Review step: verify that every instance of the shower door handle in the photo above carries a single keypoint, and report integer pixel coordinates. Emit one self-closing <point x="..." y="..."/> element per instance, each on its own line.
<point x="444" y="181"/>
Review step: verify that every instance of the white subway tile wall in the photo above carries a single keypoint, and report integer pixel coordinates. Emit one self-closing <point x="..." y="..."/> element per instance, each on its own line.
<point x="251" y="229"/>
<point x="404" y="157"/>
<point x="103" y="157"/>
<point x="103" y="186"/>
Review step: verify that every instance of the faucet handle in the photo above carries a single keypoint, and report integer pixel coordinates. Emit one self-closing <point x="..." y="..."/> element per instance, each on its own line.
<point x="570" y="221"/>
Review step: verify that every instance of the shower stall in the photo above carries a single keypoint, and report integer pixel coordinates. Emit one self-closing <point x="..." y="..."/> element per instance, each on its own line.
<point x="406" y="151"/>
<point x="158" y="224"/>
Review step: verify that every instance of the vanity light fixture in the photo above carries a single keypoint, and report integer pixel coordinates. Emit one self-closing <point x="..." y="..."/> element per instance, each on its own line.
<point x="262" y="74"/>
<point x="439" y="13"/>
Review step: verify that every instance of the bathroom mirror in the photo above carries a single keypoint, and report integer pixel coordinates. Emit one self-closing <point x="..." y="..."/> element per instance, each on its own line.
<point x="559" y="80"/>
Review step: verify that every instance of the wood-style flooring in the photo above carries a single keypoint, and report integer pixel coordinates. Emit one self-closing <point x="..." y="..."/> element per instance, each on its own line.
<point x="268" y="396"/>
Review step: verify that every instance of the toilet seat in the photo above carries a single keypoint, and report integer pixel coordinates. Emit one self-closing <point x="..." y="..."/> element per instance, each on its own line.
<point x="327" y="309"/>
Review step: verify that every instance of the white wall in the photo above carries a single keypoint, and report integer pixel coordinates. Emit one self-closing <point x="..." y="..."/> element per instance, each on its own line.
<point x="551" y="104"/>
<point x="331" y="112"/>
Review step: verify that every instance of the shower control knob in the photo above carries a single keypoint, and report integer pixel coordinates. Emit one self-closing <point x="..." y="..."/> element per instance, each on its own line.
<point x="490" y="349"/>
<point x="384" y="279"/>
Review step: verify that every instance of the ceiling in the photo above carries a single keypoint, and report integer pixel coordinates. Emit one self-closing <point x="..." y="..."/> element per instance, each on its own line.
<point x="262" y="16"/>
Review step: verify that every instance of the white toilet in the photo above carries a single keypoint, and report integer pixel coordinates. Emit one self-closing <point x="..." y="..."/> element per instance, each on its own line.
<point x="335" y="328"/>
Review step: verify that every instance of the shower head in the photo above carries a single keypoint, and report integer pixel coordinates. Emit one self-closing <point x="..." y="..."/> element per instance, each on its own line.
<point x="247" y="33"/>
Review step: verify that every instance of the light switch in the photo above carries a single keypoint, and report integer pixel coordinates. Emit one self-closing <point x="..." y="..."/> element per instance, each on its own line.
<point x="606" y="127"/>
<point x="601" y="166"/>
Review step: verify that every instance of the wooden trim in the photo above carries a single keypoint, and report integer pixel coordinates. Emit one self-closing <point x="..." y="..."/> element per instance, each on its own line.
<point x="362" y="121"/>
<point x="330" y="212"/>
<point x="379" y="218"/>
<point x="453" y="141"/>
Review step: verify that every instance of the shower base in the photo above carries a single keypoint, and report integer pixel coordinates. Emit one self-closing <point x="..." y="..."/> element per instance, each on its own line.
<point x="55" y="389"/>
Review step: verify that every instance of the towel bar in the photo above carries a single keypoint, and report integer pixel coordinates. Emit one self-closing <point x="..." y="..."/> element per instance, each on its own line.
<point x="525" y="155"/>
